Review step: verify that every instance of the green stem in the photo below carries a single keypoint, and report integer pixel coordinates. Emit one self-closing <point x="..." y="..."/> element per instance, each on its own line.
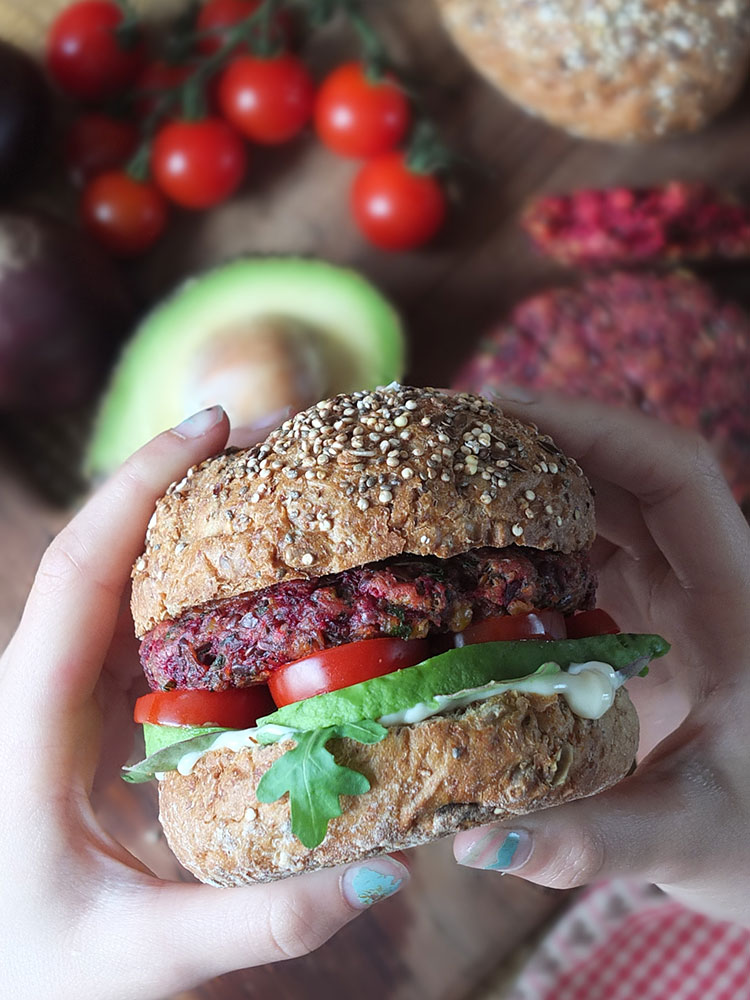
<point x="138" y="167"/>
<point x="194" y="98"/>
<point x="128" y="31"/>
<point x="180" y="40"/>
<point x="265" y="45"/>
<point x="427" y="154"/>
<point x="374" y="54"/>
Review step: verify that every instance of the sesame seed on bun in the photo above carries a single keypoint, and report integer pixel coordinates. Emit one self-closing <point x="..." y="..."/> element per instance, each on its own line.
<point x="356" y="479"/>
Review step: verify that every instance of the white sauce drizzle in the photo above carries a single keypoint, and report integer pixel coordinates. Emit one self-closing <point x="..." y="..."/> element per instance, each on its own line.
<point x="235" y="739"/>
<point x="588" y="688"/>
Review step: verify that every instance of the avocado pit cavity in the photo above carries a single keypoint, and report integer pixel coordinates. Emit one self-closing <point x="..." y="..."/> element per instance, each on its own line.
<point x="258" y="367"/>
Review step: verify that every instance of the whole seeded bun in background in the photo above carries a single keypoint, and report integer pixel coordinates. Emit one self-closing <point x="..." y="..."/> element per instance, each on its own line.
<point x="616" y="70"/>
<point x="356" y="479"/>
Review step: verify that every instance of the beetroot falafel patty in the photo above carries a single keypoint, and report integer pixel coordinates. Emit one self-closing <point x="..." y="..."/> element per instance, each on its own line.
<point x="661" y="343"/>
<point x="240" y="640"/>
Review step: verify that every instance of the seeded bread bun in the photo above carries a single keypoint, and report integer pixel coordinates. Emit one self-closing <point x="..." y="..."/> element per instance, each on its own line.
<point x="510" y="755"/>
<point x="353" y="480"/>
<point x="617" y="70"/>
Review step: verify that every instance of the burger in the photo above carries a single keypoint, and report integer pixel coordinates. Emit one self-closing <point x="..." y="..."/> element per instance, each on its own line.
<point x="376" y="628"/>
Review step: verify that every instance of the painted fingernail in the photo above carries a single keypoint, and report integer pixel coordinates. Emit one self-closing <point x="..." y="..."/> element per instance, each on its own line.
<point x="200" y="423"/>
<point x="365" y="884"/>
<point x="499" y="851"/>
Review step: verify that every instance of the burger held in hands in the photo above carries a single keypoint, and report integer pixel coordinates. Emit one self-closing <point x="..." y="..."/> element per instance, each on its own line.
<point x="375" y="628"/>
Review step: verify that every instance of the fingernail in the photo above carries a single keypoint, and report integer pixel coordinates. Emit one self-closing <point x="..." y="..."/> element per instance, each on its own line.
<point x="499" y="851"/>
<point x="200" y="423"/>
<point x="363" y="885"/>
<point x="270" y="420"/>
<point x="510" y="393"/>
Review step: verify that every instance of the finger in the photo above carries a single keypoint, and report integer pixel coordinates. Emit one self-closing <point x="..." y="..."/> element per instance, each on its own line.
<point x="72" y="611"/>
<point x="249" y="434"/>
<point x="671" y="472"/>
<point x="619" y="519"/>
<point x="214" y="931"/>
<point x="650" y="826"/>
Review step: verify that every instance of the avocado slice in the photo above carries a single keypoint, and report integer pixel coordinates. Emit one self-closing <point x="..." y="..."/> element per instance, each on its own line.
<point x="157" y="737"/>
<point x="458" y="670"/>
<point x="256" y="332"/>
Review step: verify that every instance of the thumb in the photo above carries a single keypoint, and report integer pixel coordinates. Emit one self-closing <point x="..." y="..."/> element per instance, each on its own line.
<point x="213" y="931"/>
<point x="652" y="825"/>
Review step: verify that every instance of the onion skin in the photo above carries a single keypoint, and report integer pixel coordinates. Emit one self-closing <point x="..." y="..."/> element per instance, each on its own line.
<point x="63" y="313"/>
<point x="25" y="117"/>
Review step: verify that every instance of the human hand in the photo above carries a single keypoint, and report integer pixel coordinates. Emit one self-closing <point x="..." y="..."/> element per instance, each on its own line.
<point x="673" y="555"/>
<point x="81" y="916"/>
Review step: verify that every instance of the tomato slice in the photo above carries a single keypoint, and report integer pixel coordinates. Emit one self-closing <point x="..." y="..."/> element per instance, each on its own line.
<point x="236" y="708"/>
<point x="586" y="623"/>
<point x="503" y="628"/>
<point x="342" y="666"/>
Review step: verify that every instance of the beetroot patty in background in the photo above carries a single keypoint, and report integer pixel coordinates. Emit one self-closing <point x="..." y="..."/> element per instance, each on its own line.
<point x="661" y="343"/>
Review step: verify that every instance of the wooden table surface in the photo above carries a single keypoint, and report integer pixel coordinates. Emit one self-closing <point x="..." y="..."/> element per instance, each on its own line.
<point x="442" y="937"/>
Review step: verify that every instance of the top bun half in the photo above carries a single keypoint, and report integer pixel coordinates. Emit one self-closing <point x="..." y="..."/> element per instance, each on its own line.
<point x="353" y="480"/>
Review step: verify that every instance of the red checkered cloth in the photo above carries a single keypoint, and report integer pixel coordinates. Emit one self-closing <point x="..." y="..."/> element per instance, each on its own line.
<point x="627" y="941"/>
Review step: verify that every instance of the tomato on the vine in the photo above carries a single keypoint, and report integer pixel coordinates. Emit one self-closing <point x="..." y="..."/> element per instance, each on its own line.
<point x="97" y="142"/>
<point x="125" y="215"/>
<point x="235" y="708"/>
<point x="342" y="666"/>
<point x="87" y="54"/>
<point x="155" y="78"/>
<point x="217" y="17"/>
<point x="198" y="163"/>
<point x="360" y="116"/>
<point x="395" y="207"/>
<point x="268" y="100"/>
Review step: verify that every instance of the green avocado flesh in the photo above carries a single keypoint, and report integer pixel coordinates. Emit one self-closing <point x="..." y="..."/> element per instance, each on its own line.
<point x="456" y="670"/>
<point x="157" y="737"/>
<point x="355" y="332"/>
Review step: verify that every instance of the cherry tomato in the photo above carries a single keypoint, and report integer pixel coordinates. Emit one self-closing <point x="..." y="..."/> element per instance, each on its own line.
<point x="586" y="623"/>
<point x="342" y="666"/>
<point x="396" y="208"/>
<point x="358" y="116"/>
<point x="86" y="57"/>
<point x="236" y="708"/>
<point x="218" y="16"/>
<point x="155" y="78"/>
<point x="125" y="215"/>
<point x="198" y="164"/>
<point x="535" y="625"/>
<point x="267" y="100"/>
<point x="97" y="142"/>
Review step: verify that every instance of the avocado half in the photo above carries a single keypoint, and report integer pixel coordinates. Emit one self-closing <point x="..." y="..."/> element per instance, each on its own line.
<point x="247" y="334"/>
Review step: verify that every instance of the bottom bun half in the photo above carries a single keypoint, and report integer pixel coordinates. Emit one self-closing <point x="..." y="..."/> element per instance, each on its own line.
<point x="510" y="755"/>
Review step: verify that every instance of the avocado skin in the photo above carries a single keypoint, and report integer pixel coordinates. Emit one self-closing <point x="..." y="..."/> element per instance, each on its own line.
<point x="458" y="670"/>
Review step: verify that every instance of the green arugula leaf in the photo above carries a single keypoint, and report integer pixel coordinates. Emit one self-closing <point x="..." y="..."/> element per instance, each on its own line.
<point x="313" y="779"/>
